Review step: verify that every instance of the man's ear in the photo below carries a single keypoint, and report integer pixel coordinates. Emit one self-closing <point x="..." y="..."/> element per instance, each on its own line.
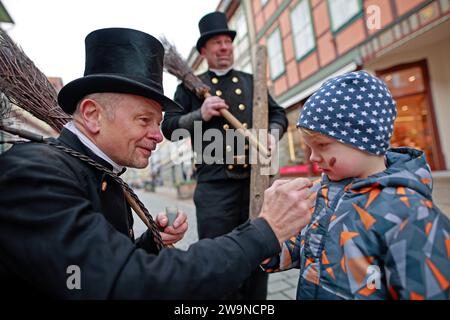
<point x="202" y="50"/>
<point x="90" y="115"/>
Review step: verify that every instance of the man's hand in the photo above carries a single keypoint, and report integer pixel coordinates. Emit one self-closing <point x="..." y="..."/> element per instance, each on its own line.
<point x="174" y="233"/>
<point x="286" y="207"/>
<point x="211" y="106"/>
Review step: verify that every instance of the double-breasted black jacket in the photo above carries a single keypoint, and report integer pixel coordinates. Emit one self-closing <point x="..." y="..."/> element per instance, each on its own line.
<point x="236" y="88"/>
<point x="57" y="211"/>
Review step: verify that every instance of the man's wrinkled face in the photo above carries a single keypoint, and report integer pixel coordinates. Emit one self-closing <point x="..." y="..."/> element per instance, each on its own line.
<point x="130" y="130"/>
<point x="218" y="51"/>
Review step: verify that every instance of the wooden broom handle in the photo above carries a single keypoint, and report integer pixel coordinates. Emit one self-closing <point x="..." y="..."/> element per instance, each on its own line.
<point x="242" y="130"/>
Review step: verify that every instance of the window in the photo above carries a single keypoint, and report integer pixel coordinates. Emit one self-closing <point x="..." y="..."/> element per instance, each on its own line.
<point x="445" y="5"/>
<point x="240" y="24"/>
<point x="263" y="2"/>
<point x="275" y="53"/>
<point x="415" y="125"/>
<point x="343" y="11"/>
<point x="242" y="41"/>
<point x="302" y="29"/>
<point x="242" y="52"/>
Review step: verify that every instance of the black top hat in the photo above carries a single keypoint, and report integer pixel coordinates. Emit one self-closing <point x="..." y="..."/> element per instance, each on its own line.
<point x="211" y="25"/>
<point x="122" y="61"/>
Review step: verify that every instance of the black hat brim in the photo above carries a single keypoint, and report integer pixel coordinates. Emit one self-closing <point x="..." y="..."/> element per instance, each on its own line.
<point x="207" y="35"/>
<point x="74" y="91"/>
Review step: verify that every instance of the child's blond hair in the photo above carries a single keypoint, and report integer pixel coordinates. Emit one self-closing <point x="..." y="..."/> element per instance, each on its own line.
<point x="308" y="132"/>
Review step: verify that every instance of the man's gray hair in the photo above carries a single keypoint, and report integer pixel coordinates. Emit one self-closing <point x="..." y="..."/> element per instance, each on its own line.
<point x="108" y="100"/>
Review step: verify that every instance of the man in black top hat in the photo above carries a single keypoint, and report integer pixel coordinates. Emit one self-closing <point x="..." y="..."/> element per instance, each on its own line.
<point x="223" y="187"/>
<point x="65" y="226"/>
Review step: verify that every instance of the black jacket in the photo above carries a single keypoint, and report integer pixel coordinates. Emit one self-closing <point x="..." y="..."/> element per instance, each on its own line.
<point x="54" y="214"/>
<point x="236" y="88"/>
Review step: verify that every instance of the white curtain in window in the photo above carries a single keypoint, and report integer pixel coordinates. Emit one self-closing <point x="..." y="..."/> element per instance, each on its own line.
<point x="275" y="54"/>
<point x="302" y="29"/>
<point x="342" y="11"/>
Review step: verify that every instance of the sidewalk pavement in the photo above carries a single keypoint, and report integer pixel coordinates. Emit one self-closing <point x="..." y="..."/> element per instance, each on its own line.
<point x="283" y="286"/>
<point x="441" y="191"/>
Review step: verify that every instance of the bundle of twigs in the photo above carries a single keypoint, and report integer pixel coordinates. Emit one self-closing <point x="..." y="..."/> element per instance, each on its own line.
<point x="27" y="87"/>
<point x="5" y="107"/>
<point x="175" y="65"/>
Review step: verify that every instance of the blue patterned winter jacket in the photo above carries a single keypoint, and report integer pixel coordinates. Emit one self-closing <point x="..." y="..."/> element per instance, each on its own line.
<point x="375" y="238"/>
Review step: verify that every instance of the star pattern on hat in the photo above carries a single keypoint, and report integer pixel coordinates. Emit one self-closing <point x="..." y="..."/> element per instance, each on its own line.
<point x="355" y="108"/>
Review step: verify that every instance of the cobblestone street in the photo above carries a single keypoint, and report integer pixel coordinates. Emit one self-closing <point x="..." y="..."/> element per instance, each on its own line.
<point x="156" y="202"/>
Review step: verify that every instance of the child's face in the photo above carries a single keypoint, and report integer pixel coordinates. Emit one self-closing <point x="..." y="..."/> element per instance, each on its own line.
<point x="337" y="160"/>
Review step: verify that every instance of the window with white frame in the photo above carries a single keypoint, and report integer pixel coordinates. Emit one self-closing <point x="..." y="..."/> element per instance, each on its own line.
<point x="275" y="54"/>
<point x="302" y="29"/>
<point x="242" y="52"/>
<point x="342" y="11"/>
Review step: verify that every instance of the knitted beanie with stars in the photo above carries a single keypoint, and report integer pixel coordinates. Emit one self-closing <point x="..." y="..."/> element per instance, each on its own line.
<point x="355" y="108"/>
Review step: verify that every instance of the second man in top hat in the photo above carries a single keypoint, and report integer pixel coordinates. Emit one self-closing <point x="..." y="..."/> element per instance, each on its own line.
<point x="223" y="189"/>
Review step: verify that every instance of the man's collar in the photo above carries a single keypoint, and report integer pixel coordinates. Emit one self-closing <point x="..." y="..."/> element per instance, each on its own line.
<point x="70" y="126"/>
<point x="221" y="72"/>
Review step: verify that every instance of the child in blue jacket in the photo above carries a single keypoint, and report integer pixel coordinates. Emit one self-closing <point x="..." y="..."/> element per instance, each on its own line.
<point x="375" y="232"/>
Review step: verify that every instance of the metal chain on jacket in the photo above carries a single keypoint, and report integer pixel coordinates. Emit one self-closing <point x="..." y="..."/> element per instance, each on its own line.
<point x="153" y="227"/>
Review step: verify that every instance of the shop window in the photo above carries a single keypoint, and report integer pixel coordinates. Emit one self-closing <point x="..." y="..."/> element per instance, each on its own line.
<point x="415" y="125"/>
<point x="294" y="154"/>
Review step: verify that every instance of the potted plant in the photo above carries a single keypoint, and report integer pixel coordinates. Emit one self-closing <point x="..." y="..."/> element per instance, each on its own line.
<point x="185" y="189"/>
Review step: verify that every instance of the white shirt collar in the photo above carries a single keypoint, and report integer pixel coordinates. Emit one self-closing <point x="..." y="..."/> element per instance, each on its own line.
<point x="88" y="143"/>
<point x="221" y="72"/>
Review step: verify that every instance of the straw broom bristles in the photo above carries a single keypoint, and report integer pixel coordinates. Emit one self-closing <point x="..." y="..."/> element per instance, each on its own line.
<point x="175" y="65"/>
<point x="5" y="107"/>
<point x="26" y="86"/>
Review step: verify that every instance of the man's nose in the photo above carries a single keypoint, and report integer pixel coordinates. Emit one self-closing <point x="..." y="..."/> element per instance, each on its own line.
<point x="224" y="46"/>
<point x="155" y="134"/>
